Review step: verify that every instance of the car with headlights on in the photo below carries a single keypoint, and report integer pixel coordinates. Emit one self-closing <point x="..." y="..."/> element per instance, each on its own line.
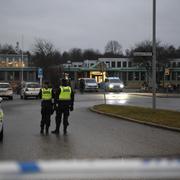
<point x="6" y="90"/>
<point x="113" y="84"/>
<point x="30" y="89"/>
<point x="1" y="122"/>
<point x="90" y="84"/>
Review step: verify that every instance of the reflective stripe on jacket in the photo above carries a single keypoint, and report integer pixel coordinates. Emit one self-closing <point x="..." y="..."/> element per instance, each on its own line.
<point x="46" y="94"/>
<point x="65" y="93"/>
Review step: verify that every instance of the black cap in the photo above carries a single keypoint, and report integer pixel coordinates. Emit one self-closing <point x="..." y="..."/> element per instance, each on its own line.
<point x="64" y="82"/>
<point x="46" y="84"/>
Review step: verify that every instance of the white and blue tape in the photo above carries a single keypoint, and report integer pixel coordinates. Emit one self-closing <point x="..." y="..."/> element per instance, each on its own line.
<point x="29" y="167"/>
<point x="99" y="169"/>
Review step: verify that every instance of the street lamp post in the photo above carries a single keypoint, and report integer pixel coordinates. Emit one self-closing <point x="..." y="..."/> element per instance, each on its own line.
<point x="154" y="57"/>
<point x="102" y="68"/>
<point x="22" y="63"/>
<point x="69" y="64"/>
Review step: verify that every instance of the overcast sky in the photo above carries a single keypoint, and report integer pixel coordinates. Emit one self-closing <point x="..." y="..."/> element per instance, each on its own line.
<point x="87" y="23"/>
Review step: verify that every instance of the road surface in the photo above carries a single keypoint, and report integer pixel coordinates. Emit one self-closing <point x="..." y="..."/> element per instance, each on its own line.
<point x="90" y="135"/>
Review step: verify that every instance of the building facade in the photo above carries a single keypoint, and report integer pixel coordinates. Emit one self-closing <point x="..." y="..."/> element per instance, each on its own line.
<point x="131" y="74"/>
<point x="15" y="68"/>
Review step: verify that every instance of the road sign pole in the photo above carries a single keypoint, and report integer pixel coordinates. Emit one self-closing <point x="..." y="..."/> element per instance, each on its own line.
<point x="40" y="81"/>
<point x="154" y="57"/>
<point x="40" y="76"/>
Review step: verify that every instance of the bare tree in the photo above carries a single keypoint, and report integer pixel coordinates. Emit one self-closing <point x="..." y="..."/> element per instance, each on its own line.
<point x="113" y="47"/>
<point x="76" y="54"/>
<point x="164" y="54"/>
<point x="91" y="54"/>
<point x="7" y="49"/>
<point x="45" y="56"/>
<point x="43" y="47"/>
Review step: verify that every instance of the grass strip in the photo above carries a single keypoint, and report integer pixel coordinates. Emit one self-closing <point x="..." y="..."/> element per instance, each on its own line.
<point x="160" y="117"/>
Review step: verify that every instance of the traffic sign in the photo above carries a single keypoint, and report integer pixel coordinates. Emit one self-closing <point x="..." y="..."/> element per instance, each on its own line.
<point x="149" y="54"/>
<point x="40" y="72"/>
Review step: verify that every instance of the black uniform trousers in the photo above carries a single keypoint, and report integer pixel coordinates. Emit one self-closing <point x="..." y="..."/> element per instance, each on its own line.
<point x="62" y="110"/>
<point x="46" y="111"/>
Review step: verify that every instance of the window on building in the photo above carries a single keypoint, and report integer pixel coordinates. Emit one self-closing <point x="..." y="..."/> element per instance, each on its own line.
<point x="143" y="76"/>
<point x="16" y="76"/>
<point x="119" y="64"/>
<point x="124" y="76"/>
<point x="10" y="76"/>
<point x="25" y="62"/>
<point x="124" y="64"/>
<point x="136" y="76"/>
<point x="130" y="76"/>
<point x="174" y="64"/>
<point x="129" y="64"/>
<point x="160" y="76"/>
<point x="108" y="64"/>
<point x="173" y="75"/>
<point x="2" y="76"/>
<point x="168" y="64"/>
<point x="113" y="64"/>
<point x="178" y="76"/>
<point x="167" y="78"/>
<point x="10" y="63"/>
<point x="3" y="63"/>
<point x="178" y="65"/>
<point x="31" y="76"/>
<point x="25" y="76"/>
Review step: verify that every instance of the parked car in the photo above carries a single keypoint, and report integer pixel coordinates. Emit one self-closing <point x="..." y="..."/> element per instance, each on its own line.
<point x="90" y="84"/>
<point x="1" y="122"/>
<point x="29" y="89"/>
<point x="6" y="90"/>
<point x="113" y="84"/>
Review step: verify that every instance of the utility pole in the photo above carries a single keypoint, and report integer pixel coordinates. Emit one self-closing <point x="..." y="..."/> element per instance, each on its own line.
<point x="22" y="62"/>
<point x="154" y="57"/>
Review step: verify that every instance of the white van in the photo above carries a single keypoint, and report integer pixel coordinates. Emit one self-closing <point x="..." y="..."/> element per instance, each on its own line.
<point x="30" y="89"/>
<point x="6" y="90"/>
<point x="90" y="84"/>
<point x="113" y="84"/>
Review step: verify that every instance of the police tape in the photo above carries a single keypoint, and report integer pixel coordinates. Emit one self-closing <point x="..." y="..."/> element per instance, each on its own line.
<point x="97" y="169"/>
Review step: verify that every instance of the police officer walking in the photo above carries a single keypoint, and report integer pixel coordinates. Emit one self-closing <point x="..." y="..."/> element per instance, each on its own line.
<point x="64" y="103"/>
<point x="46" y="94"/>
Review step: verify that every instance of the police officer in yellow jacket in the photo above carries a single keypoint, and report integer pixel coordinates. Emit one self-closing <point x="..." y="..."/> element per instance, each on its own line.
<point x="46" y="94"/>
<point x="64" y="103"/>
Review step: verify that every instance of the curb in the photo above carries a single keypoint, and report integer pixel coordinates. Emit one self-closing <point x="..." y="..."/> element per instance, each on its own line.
<point x="135" y="120"/>
<point x="157" y="95"/>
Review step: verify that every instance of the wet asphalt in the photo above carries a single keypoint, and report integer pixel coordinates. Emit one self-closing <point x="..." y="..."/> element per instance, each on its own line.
<point x="90" y="135"/>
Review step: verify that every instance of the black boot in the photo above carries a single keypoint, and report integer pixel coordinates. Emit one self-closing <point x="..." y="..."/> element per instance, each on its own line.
<point x="55" y="132"/>
<point x="47" y="130"/>
<point x="65" y="130"/>
<point x="42" y="131"/>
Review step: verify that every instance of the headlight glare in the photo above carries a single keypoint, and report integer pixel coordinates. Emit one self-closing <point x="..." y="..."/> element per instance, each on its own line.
<point x="121" y="85"/>
<point x="111" y="85"/>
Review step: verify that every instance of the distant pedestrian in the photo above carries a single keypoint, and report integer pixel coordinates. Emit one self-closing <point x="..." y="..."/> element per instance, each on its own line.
<point x="64" y="103"/>
<point x="81" y="85"/>
<point x="46" y="94"/>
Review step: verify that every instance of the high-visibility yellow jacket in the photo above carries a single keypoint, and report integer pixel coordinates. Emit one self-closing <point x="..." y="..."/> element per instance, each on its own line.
<point x="46" y="94"/>
<point x="65" y="93"/>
